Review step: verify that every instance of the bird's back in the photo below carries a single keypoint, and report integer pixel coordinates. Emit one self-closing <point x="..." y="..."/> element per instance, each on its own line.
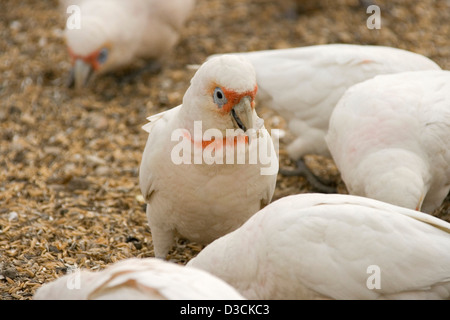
<point x="394" y="130"/>
<point x="304" y="84"/>
<point x="315" y="246"/>
<point x="137" y="279"/>
<point x="301" y="79"/>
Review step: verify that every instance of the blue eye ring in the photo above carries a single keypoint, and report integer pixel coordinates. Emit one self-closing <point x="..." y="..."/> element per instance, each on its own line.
<point x="102" y="55"/>
<point x="219" y="97"/>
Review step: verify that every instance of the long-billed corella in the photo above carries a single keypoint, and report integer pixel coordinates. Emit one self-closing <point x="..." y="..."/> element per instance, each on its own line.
<point x="107" y="35"/>
<point x="138" y="279"/>
<point x="333" y="246"/>
<point x="209" y="164"/>
<point x="390" y="138"/>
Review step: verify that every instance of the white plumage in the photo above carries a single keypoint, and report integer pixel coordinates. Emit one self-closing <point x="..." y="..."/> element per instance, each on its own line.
<point x="390" y="138"/>
<point x="205" y="200"/>
<point x="138" y="279"/>
<point x="317" y="246"/>
<point x="304" y="84"/>
<point x="113" y="33"/>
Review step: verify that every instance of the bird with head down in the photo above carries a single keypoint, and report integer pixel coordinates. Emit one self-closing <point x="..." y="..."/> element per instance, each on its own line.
<point x="389" y="137"/>
<point x="114" y="34"/>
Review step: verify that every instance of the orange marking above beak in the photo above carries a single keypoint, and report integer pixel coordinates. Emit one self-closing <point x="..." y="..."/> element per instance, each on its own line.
<point x="234" y="97"/>
<point x="90" y="59"/>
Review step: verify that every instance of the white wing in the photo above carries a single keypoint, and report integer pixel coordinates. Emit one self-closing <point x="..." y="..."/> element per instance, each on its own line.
<point x="153" y="118"/>
<point x="155" y="143"/>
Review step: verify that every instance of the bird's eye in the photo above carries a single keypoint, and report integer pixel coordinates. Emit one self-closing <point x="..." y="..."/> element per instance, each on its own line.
<point x="219" y="97"/>
<point x="102" y="56"/>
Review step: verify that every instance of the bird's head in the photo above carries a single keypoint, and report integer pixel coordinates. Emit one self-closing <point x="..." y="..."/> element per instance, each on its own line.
<point x="93" y="49"/>
<point x="84" y="66"/>
<point x="222" y="94"/>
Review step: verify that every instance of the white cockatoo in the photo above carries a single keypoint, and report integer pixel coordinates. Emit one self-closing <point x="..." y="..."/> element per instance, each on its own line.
<point x="390" y="138"/>
<point x="333" y="246"/>
<point x="209" y="164"/>
<point x="138" y="279"/>
<point x="106" y="35"/>
<point x="304" y="84"/>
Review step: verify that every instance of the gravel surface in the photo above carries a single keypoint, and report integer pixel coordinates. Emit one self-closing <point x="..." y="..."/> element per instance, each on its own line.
<point x="69" y="195"/>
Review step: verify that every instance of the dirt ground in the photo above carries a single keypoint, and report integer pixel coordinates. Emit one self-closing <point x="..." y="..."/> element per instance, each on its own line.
<point x="69" y="195"/>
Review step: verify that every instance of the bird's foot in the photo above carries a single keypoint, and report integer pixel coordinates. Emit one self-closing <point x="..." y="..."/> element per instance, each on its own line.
<point x="152" y="67"/>
<point x="315" y="181"/>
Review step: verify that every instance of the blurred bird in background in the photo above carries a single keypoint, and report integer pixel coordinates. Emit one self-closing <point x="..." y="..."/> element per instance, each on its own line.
<point x="113" y="34"/>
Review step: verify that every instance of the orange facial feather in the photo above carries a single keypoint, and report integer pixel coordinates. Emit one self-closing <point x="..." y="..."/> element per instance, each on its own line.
<point x="234" y="97"/>
<point x="89" y="59"/>
<point x="218" y="145"/>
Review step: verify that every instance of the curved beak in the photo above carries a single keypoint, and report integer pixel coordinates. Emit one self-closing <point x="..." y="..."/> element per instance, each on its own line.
<point x="79" y="74"/>
<point x="242" y="114"/>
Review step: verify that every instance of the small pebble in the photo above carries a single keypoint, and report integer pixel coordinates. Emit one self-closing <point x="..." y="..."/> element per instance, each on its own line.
<point x="13" y="216"/>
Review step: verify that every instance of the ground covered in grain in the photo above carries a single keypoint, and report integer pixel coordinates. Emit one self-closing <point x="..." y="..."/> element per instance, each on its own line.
<point x="69" y="195"/>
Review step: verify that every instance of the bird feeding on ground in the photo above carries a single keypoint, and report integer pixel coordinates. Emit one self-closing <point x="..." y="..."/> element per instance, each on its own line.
<point x="304" y="84"/>
<point x="209" y="164"/>
<point x="390" y="138"/>
<point x="333" y="246"/>
<point x="107" y="35"/>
